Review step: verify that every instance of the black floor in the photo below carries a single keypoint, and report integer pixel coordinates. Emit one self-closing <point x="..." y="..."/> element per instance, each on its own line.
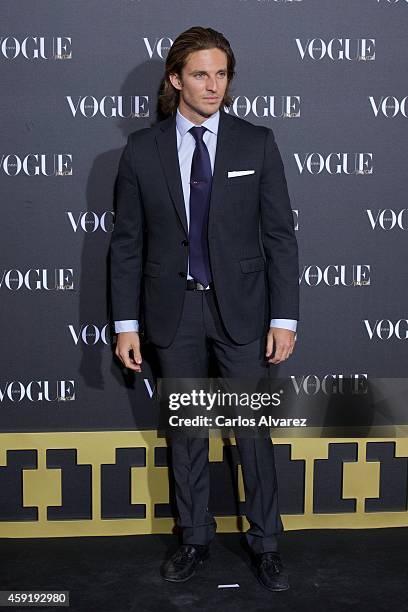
<point x="328" y="570"/>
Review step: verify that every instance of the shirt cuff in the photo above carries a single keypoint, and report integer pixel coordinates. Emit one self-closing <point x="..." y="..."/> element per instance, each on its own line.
<point x="284" y="323"/>
<point x="126" y="326"/>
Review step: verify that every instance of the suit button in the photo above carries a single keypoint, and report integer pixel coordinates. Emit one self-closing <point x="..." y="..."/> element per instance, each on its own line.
<point x="185" y="243"/>
<point x="183" y="274"/>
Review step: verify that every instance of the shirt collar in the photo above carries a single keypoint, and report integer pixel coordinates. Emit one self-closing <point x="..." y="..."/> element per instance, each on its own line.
<point x="184" y="124"/>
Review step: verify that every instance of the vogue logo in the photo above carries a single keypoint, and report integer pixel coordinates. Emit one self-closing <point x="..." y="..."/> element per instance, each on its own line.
<point x="160" y="47"/>
<point x="337" y="49"/>
<point x="335" y="163"/>
<point x="38" y="391"/>
<point x="332" y="275"/>
<point x="330" y="384"/>
<point x="389" y="106"/>
<point x="37" y="164"/>
<point x="386" y="329"/>
<point x="90" y="221"/>
<point x="387" y="218"/>
<point x="110" y="106"/>
<point x="37" y="279"/>
<point x="90" y="334"/>
<point x="265" y="106"/>
<point x="36" y="47"/>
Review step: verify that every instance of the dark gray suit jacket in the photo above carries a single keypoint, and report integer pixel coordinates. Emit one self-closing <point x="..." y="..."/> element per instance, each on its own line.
<point x="252" y="243"/>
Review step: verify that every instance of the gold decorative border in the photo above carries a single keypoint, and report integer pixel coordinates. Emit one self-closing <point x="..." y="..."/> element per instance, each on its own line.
<point x="149" y="484"/>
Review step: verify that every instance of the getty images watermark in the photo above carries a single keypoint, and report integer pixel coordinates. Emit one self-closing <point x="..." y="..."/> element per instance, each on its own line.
<point x="250" y="407"/>
<point x="223" y="401"/>
<point x="335" y="405"/>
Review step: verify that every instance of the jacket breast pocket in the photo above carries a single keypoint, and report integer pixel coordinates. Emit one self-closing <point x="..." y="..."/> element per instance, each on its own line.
<point x="248" y="179"/>
<point x="151" y="268"/>
<point x="253" y="264"/>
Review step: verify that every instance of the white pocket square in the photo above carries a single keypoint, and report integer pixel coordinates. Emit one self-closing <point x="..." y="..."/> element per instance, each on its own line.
<point x="232" y="173"/>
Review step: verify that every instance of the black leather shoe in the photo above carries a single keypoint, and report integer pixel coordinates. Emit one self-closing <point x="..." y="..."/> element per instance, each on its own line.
<point x="270" y="571"/>
<point x="183" y="564"/>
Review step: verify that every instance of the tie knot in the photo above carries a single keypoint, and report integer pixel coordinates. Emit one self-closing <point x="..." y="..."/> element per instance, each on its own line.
<point x="198" y="132"/>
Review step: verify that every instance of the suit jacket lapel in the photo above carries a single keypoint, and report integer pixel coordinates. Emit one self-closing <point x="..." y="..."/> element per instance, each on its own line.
<point x="167" y="146"/>
<point x="225" y="152"/>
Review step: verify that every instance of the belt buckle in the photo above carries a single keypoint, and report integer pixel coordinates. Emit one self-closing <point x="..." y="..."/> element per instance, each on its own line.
<point x="201" y="287"/>
<point x="197" y="286"/>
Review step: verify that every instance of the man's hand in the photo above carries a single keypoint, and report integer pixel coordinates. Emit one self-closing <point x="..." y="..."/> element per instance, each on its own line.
<point x="125" y="342"/>
<point x="284" y="342"/>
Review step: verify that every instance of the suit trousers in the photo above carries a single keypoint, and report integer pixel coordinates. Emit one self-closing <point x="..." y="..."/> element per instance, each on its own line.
<point x="200" y="329"/>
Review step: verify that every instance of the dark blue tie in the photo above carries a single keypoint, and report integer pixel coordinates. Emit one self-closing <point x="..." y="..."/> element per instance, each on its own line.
<point x="200" y="191"/>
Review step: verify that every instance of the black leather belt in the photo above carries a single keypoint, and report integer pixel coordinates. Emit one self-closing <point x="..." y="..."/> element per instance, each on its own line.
<point x="193" y="285"/>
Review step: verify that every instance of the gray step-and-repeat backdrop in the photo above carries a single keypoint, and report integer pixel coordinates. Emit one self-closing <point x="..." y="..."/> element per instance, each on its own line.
<point x="78" y="77"/>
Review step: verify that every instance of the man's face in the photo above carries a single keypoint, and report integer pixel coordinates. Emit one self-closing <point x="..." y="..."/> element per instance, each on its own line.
<point x="203" y="83"/>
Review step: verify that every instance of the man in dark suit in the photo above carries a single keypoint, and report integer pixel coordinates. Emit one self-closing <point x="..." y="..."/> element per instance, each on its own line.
<point x="203" y="254"/>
